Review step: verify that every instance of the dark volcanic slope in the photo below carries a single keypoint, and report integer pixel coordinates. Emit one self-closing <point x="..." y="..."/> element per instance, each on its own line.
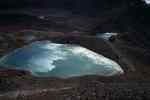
<point x="115" y="16"/>
<point x="65" y="3"/>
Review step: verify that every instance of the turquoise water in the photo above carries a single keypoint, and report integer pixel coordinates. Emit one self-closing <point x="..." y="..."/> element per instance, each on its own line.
<point x="44" y="58"/>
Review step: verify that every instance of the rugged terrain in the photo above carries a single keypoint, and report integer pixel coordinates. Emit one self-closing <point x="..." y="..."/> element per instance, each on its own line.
<point x="130" y="48"/>
<point x="134" y="84"/>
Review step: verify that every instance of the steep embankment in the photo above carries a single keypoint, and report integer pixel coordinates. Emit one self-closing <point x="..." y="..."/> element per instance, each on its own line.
<point x="113" y="16"/>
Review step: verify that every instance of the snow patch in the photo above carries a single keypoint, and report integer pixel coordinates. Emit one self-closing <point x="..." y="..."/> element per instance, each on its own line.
<point x="106" y="35"/>
<point x="147" y="1"/>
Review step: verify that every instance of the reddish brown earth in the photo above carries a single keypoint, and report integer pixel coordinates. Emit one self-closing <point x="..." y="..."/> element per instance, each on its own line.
<point x="13" y="72"/>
